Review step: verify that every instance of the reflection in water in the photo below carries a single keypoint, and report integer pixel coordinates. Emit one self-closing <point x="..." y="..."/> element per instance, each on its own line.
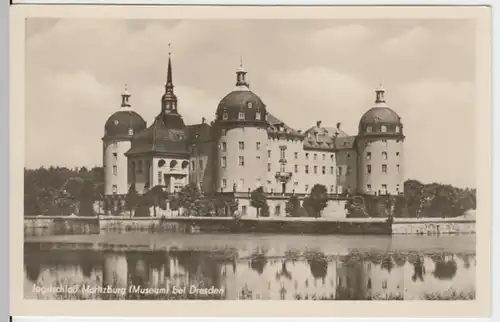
<point x="311" y="275"/>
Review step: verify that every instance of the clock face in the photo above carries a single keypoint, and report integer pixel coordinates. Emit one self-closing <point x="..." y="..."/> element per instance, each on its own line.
<point x="116" y="122"/>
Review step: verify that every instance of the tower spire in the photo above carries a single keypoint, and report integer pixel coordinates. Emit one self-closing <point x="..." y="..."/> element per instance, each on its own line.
<point x="169" y="100"/>
<point x="169" y="69"/>
<point x="240" y="76"/>
<point x="125" y="97"/>
<point x="380" y="95"/>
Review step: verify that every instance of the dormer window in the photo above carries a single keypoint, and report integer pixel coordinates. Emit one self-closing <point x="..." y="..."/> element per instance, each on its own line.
<point x="224" y="116"/>
<point x="249" y="104"/>
<point x="130" y="131"/>
<point x="257" y="115"/>
<point x="241" y="115"/>
<point x="383" y="128"/>
<point x="397" y="129"/>
<point x="368" y="129"/>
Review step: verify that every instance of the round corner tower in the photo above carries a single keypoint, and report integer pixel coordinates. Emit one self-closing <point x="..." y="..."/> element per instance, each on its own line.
<point x="241" y="132"/>
<point x="380" y="145"/>
<point x="119" y="130"/>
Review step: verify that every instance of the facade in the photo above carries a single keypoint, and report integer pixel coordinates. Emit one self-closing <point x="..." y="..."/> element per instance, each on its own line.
<point x="247" y="147"/>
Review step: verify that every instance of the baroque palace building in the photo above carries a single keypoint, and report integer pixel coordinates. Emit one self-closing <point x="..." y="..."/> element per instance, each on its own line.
<point x="246" y="147"/>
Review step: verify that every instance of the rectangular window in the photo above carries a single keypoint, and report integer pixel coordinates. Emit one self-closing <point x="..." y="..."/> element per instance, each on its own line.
<point x="331" y="189"/>
<point x="307" y="156"/>
<point x="282" y="153"/>
<point x="193" y="165"/>
<point x="315" y="169"/>
<point x="115" y="189"/>
<point x="223" y="162"/>
<point x="224" y="183"/>
<point x="324" y="156"/>
<point x="201" y="164"/>
<point x="241" y="145"/>
<point x="369" y="187"/>
<point x="223" y="146"/>
<point x="296" y="168"/>
<point x="277" y="210"/>
<point x="332" y="157"/>
<point x="340" y="171"/>
<point x="369" y="168"/>
<point x="323" y="170"/>
<point x="268" y="153"/>
<point x="243" y="210"/>
<point x="349" y="170"/>
<point x="257" y="116"/>
<point x="368" y="156"/>
<point x="241" y="115"/>
<point x="384" y="189"/>
<point x="269" y="167"/>
<point x="241" y="161"/>
<point x="257" y="146"/>
<point x="332" y="170"/>
<point x="315" y="156"/>
<point x="397" y="167"/>
<point x="115" y="156"/>
<point x="296" y="155"/>
<point x="307" y="169"/>
<point x="115" y="170"/>
<point x="139" y="166"/>
<point x="384" y="168"/>
<point x="384" y="155"/>
<point x="159" y="177"/>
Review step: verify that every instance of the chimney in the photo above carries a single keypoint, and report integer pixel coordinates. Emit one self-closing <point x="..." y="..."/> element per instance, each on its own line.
<point x="318" y="123"/>
<point x="203" y="120"/>
<point x="338" y="126"/>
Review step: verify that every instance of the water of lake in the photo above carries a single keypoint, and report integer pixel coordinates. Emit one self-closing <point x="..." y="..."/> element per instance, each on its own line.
<point x="218" y="266"/>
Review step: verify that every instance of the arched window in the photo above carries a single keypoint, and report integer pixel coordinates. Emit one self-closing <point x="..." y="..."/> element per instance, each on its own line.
<point x="249" y="104"/>
<point x="161" y="163"/>
<point x="173" y="164"/>
<point x="383" y="128"/>
<point x="185" y="164"/>
<point x="241" y="115"/>
<point x="368" y="129"/>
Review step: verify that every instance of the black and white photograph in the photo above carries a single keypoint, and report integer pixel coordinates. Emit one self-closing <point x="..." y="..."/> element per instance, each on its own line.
<point x="315" y="159"/>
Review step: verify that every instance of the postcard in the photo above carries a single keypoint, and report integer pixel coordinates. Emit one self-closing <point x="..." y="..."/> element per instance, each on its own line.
<point x="280" y="161"/>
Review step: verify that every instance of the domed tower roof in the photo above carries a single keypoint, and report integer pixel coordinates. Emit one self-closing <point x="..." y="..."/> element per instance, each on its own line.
<point x="124" y="123"/>
<point x="241" y="105"/>
<point x="380" y="119"/>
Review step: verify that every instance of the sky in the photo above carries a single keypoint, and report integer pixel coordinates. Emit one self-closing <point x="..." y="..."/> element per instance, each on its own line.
<point x="303" y="70"/>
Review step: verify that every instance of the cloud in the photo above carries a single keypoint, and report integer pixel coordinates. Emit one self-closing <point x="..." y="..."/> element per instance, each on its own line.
<point x="408" y="44"/>
<point x="304" y="71"/>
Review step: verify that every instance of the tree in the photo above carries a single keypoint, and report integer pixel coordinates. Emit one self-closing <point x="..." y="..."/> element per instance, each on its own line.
<point x="86" y="199"/>
<point x="189" y="199"/>
<point x="132" y="199"/>
<point x="318" y="199"/>
<point x="157" y="197"/>
<point x="258" y="199"/>
<point x="292" y="206"/>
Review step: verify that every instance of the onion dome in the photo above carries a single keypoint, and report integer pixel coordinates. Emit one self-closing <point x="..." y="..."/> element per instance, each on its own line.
<point x="241" y="105"/>
<point x="124" y="123"/>
<point x="380" y="119"/>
